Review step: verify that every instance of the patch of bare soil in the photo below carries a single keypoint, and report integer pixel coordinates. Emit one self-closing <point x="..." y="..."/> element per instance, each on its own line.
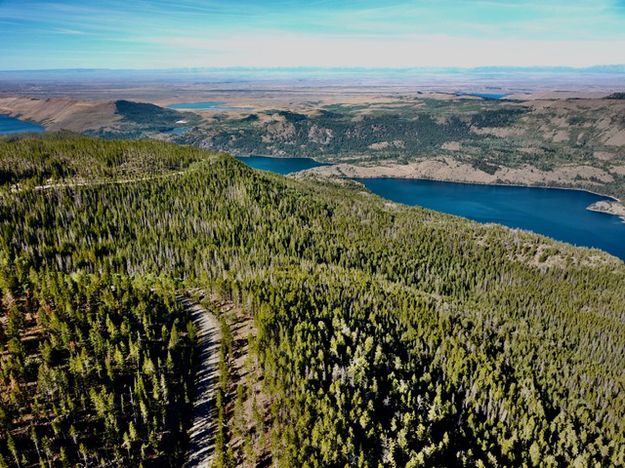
<point x="500" y="132"/>
<point x="451" y="146"/>
<point x="620" y="170"/>
<point x="604" y="155"/>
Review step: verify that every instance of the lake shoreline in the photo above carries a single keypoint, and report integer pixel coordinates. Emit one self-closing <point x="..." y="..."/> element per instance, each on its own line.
<point x="281" y="166"/>
<point x="366" y="175"/>
<point x="557" y="212"/>
<point x="591" y="207"/>
<point x="595" y="207"/>
<point x="28" y="125"/>
<point x="612" y="208"/>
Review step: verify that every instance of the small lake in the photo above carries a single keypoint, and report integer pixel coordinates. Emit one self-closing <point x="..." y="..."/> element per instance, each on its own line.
<point x="559" y="214"/>
<point x="279" y="165"/>
<point x="487" y="96"/>
<point x="10" y="125"/>
<point x="207" y="105"/>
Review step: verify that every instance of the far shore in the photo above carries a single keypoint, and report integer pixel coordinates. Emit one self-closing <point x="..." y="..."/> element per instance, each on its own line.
<point x="614" y="206"/>
<point x="323" y="170"/>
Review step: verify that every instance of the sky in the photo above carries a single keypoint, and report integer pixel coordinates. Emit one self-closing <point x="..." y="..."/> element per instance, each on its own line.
<point x="149" y="34"/>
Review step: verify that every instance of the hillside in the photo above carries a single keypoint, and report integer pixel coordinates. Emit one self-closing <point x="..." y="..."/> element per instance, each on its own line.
<point x="64" y="158"/>
<point x="120" y="118"/>
<point x="576" y="142"/>
<point x="369" y="333"/>
<point x="62" y="113"/>
<point x="551" y="142"/>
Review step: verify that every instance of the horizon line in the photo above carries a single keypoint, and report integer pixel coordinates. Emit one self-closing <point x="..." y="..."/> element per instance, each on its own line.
<point x="614" y="67"/>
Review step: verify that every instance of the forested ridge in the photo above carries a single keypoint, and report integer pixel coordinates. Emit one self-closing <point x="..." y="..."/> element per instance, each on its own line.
<point x="386" y="334"/>
<point x="32" y="161"/>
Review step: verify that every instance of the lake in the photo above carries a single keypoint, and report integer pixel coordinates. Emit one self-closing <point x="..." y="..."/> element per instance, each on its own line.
<point x="556" y="213"/>
<point x="10" y="125"/>
<point x="487" y="96"/>
<point x="279" y="165"/>
<point x="207" y="105"/>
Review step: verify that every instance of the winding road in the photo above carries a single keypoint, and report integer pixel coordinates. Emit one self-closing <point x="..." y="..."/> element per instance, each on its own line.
<point x="202" y="431"/>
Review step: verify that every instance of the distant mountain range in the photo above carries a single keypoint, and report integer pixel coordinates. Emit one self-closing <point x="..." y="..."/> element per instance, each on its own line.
<point x="155" y="73"/>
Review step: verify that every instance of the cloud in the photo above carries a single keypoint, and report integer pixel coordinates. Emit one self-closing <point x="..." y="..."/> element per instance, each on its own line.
<point x="280" y="50"/>
<point x="71" y="32"/>
<point x="390" y="33"/>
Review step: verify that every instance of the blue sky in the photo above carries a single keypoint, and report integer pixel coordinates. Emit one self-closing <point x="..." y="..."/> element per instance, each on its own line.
<point x="42" y="34"/>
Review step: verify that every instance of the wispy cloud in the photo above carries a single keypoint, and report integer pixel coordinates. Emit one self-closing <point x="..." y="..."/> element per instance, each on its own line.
<point x="71" y="32"/>
<point x="141" y="33"/>
<point x="410" y="51"/>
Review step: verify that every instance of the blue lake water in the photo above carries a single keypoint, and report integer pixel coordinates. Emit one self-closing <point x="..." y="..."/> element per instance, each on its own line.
<point x="560" y="214"/>
<point x="206" y="105"/>
<point x="279" y="165"/>
<point x="488" y="96"/>
<point x="10" y="125"/>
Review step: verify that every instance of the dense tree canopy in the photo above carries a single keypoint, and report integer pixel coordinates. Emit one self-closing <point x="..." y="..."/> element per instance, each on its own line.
<point x="386" y="334"/>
